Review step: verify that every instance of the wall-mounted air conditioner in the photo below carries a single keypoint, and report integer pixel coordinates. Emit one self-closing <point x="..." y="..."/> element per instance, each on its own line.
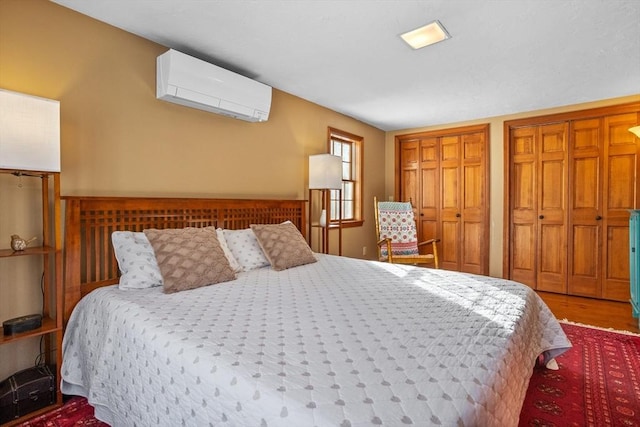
<point x="191" y="82"/>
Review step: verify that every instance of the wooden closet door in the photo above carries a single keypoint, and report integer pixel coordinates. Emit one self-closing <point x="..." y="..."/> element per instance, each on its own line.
<point x="538" y="206"/>
<point x="524" y="202"/>
<point x="552" y="208"/>
<point x="463" y="203"/>
<point x="604" y="186"/>
<point x="419" y="175"/>
<point x="585" y="231"/>
<point x="474" y="200"/>
<point x="592" y="193"/>
<point x="619" y="197"/>
<point x="450" y="203"/>
<point x="445" y="175"/>
<point x="427" y="202"/>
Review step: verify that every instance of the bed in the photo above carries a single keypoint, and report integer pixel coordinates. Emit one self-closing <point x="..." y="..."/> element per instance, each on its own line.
<point x="330" y="342"/>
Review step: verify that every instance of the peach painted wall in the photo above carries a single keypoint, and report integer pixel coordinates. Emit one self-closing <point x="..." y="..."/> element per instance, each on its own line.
<point x="118" y="139"/>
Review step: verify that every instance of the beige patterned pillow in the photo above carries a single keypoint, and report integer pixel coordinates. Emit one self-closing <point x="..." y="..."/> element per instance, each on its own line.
<point x="283" y="245"/>
<point x="189" y="258"/>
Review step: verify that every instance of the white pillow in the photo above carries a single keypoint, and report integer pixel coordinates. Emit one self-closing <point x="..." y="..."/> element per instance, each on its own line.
<point x="136" y="260"/>
<point x="245" y="249"/>
<point x="233" y="262"/>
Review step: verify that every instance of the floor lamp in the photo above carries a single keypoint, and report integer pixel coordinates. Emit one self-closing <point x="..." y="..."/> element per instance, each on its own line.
<point x="325" y="174"/>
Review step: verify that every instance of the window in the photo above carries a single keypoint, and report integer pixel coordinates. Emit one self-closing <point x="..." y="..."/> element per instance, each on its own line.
<point x="350" y="148"/>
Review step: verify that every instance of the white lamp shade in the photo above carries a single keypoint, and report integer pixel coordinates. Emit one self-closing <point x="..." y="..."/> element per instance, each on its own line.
<point x="635" y="130"/>
<point x="29" y="132"/>
<point x="325" y="172"/>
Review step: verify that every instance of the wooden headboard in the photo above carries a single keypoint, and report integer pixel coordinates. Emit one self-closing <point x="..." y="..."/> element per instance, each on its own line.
<point x="89" y="221"/>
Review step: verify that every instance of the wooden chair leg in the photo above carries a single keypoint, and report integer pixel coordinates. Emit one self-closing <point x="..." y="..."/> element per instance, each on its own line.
<point x="435" y="254"/>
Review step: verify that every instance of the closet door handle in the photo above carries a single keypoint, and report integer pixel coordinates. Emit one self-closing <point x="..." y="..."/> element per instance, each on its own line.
<point x="541" y="217"/>
<point x="598" y="217"/>
<point x="458" y="215"/>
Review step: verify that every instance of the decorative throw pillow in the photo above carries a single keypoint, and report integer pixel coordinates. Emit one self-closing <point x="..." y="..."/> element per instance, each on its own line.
<point x="233" y="262"/>
<point x="245" y="248"/>
<point x="136" y="260"/>
<point x="189" y="258"/>
<point x="283" y="245"/>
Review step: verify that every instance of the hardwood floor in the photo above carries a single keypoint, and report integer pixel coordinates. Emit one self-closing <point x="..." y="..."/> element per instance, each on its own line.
<point x="606" y="314"/>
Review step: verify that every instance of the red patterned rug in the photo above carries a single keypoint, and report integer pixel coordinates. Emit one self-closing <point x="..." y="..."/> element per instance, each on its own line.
<point x="598" y="384"/>
<point x="75" y="412"/>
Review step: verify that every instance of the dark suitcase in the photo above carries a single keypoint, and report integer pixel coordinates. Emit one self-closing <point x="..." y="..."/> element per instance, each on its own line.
<point x="26" y="391"/>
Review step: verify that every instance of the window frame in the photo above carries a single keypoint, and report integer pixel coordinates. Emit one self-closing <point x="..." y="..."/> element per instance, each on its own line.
<point x="357" y="166"/>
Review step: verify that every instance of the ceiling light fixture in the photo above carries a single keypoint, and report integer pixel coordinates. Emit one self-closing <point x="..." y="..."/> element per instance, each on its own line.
<point x="431" y="33"/>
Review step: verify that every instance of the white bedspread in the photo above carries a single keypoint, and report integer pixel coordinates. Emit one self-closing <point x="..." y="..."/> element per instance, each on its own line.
<point x="340" y="342"/>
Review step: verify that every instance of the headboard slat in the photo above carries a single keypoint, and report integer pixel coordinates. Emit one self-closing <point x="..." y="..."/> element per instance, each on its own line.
<point x="89" y="259"/>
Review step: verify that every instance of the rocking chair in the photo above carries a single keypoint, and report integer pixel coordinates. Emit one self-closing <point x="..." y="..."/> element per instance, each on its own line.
<point x="397" y="238"/>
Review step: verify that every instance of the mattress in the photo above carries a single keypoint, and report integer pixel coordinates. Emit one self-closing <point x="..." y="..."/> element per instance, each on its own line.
<point x="340" y="342"/>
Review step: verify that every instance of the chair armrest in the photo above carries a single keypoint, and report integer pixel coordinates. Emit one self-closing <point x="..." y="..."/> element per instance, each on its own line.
<point x="430" y="241"/>
<point x="385" y="241"/>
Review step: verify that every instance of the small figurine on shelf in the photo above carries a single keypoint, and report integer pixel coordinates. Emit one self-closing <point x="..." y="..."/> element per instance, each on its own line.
<point x="20" y="244"/>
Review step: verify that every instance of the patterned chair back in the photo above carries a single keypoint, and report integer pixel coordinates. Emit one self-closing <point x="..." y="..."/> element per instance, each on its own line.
<point x="396" y="221"/>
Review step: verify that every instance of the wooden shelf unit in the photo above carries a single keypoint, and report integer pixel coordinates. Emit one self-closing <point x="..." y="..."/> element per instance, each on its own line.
<point x="51" y="253"/>
<point x="325" y="195"/>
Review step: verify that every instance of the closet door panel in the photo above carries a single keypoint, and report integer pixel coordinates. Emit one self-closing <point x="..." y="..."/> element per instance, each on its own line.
<point x="448" y="253"/>
<point x="552" y="255"/>
<point x="584" y="272"/>
<point x="585" y="238"/>
<point x="472" y="255"/>
<point x="617" y="267"/>
<point x="409" y="170"/>
<point x="426" y="231"/>
<point x="523" y="254"/>
<point x="450" y="193"/>
<point x="473" y="197"/>
<point x="524" y="180"/>
<point x="620" y="183"/>
<point x="411" y="184"/>
<point x="586" y="179"/>
<point x="552" y="197"/>
<point x="427" y="214"/>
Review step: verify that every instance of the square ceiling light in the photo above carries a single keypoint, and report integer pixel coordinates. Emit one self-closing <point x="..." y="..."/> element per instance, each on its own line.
<point x="431" y="33"/>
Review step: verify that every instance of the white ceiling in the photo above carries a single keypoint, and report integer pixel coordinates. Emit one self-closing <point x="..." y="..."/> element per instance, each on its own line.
<point x="504" y="56"/>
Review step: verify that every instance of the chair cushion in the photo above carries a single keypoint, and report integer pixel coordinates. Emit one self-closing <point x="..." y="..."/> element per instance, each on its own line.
<point x="397" y="223"/>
